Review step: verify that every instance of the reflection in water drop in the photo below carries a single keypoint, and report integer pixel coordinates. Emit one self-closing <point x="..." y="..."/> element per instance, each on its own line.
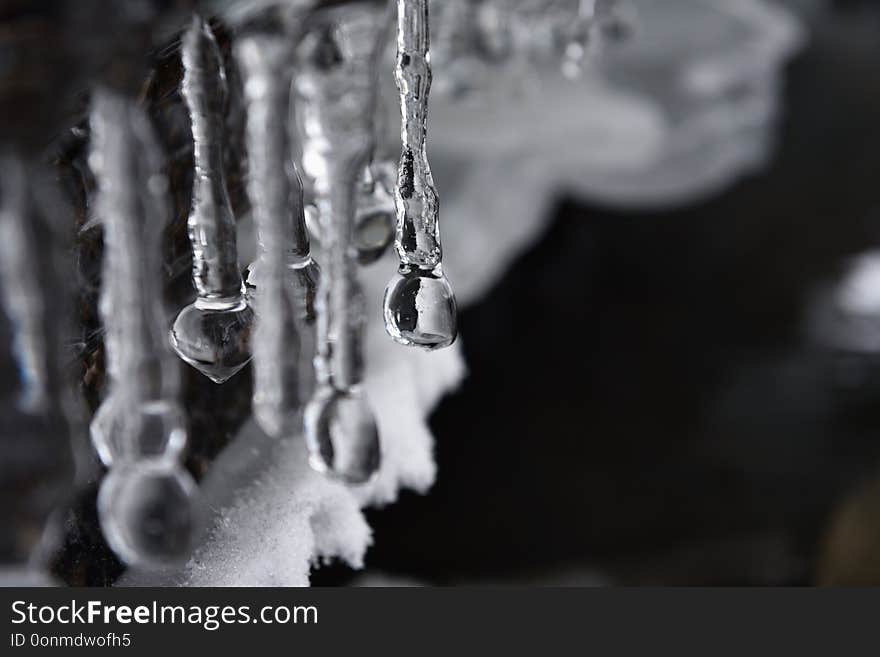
<point x="214" y="336"/>
<point x="419" y="309"/>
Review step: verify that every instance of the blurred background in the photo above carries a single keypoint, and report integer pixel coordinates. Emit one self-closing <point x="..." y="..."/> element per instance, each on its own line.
<point x="670" y="272"/>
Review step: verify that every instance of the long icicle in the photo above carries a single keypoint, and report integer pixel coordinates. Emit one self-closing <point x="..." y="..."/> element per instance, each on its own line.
<point x="145" y="501"/>
<point x="285" y="276"/>
<point x="336" y="96"/>
<point x="419" y="304"/>
<point x="213" y="333"/>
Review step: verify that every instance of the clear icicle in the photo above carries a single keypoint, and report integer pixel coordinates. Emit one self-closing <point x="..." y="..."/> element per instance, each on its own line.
<point x="145" y="501"/>
<point x="22" y="296"/>
<point x="40" y="415"/>
<point x="579" y="39"/>
<point x="419" y="305"/>
<point x="336" y="95"/>
<point x="130" y="203"/>
<point x="213" y="333"/>
<point x="285" y="275"/>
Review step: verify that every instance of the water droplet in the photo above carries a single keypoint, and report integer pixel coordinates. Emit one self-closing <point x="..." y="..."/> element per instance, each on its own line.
<point x="214" y="337"/>
<point x="342" y="436"/>
<point x="146" y="512"/>
<point x="374" y="233"/>
<point x="420" y="309"/>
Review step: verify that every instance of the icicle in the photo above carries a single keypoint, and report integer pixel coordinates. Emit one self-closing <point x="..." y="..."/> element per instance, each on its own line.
<point x="213" y="333"/>
<point x="419" y="305"/>
<point x="39" y="417"/>
<point x="22" y="296"/>
<point x="375" y="218"/>
<point x="144" y="503"/>
<point x="336" y="95"/>
<point x="285" y="276"/>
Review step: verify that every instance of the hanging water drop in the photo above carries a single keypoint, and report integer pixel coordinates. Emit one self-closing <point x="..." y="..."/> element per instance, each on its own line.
<point x="146" y="512"/>
<point x="335" y="94"/>
<point x="124" y="429"/>
<point x="419" y="305"/>
<point x="145" y="501"/>
<point x="213" y="333"/>
<point x="343" y="439"/>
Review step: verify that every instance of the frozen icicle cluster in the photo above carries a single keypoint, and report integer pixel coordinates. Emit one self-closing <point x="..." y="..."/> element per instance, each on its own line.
<point x="213" y="333"/>
<point x="145" y="501"/>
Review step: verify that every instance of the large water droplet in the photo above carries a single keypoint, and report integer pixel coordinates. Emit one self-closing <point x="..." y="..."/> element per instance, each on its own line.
<point x="420" y="310"/>
<point x="342" y="436"/>
<point x="214" y="337"/>
<point x="146" y="513"/>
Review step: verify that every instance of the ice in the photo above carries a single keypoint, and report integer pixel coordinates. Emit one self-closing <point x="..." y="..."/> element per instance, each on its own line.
<point x="144" y="501"/>
<point x="609" y="136"/>
<point x="419" y="304"/>
<point x="20" y="295"/>
<point x="678" y="111"/>
<point x="273" y="517"/>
